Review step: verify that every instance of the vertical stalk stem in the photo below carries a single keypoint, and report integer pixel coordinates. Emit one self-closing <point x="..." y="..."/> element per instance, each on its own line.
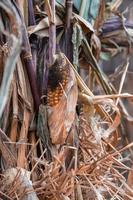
<point x="31" y="16"/>
<point x="52" y="34"/>
<point x="26" y="57"/>
<point x="68" y="32"/>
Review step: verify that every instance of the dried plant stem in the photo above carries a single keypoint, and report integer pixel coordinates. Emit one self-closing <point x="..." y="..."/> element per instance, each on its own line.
<point x="31" y="20"/>
<point x="21" y="162"/>
<point x="68" y="31"/>
<point x="52" y="34"/>
<point x="38" y="161"/>
<point x="26" y="57"/>
<point x="33" y="153"/>
<point x="13" y="133"/>
<point x="69" y="4"/>
<point x="113" y="96"/>
<point x="100" y="17"/>
<point x="6" y="113"/>
<point x="34" y="147"/>
<point x="92" y="60"/>
<point x="122" y="81"/>
<point x="79" y="191"/>
<point x="7" y="153"/>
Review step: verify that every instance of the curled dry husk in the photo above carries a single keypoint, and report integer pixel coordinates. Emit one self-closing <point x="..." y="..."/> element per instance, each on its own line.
<point x="62" y="115"/>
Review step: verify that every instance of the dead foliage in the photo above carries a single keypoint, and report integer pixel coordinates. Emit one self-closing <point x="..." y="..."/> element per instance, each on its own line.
<point x="58" y="140"/>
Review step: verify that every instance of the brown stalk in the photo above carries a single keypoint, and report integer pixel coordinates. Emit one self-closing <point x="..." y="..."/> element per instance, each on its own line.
<point x="26" y="57"/>
<point x="68" y="30"/>
<point x="22" y="162"/>
<point x="33" y="153"/>
<point x="14" y="125"/>
<point x="100" y="18"/>
<point x="52" y="34"/>
<point x="34" y="145"/>
<point x="78" y="191"/>
<point x="8" y="152"/>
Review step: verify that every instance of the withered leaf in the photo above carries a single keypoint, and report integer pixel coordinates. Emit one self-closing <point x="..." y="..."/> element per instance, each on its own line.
<point x="62" y="114"/>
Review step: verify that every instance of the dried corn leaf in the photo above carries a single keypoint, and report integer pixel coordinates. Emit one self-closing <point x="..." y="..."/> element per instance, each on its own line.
<point x="16" y="39"/>
<point x="3" y="55"/>
<point x="62" y="115"/>
<point x="86" y="26"/>
<point x="41" y="29"/>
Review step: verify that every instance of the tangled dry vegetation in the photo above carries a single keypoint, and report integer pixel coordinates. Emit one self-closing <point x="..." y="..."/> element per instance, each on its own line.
<point x="59" y="141"/>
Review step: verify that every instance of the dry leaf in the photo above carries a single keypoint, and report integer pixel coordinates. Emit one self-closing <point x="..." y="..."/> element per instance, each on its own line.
<point x="63" y="99"/>
<point x="41" y="28"/>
